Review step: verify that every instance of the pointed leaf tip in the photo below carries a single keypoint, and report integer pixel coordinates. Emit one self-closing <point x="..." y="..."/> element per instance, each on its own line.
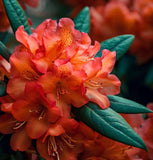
<point x="123" y="105"/>
<point x="109" y="123"/>
<point x="82" y="21"/>
<point x="120" y="44"/>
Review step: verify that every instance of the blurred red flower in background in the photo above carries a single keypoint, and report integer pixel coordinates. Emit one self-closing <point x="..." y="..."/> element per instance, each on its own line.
<point x="117" y="17"/>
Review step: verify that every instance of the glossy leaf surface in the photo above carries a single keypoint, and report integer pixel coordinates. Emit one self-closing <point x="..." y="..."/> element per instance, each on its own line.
<point x="108" y="123"/>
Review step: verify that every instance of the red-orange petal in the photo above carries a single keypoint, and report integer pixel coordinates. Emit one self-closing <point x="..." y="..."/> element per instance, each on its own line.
<point x="36" y="127"/>
<point x="33" y="44"/>
<point x="6" y="123"/>
<point x="53" y="114"/>
<point x="22" y="66"/>
<point x="66" y="30"/>
<point x="15" y="88"/>
<point x="77" y="98"/>
<point x="22" y="36"/>
<point x="6" y="107"/>
<point x="110" y="85"/>
<point x="98" y="98"/>
<point x="55" y="130"/>
<point x="92" y="67"/>
<point x="42" y="148"/>
<point x="21" y="110"/>
<point x="108" y="61"/>
<point x="20" y="141"/>
<point x="46" y="25"/>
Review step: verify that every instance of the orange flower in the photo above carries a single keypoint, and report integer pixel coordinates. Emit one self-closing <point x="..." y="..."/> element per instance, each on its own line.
<point x="102" y="83"/>
<point x="19" y="140"/>
<point x="4" y="25"/>
<point x="61" y="141"/>
<point x="62" y="60"/>
<point x="30" y="105"/>
<point x="54" y="68"/>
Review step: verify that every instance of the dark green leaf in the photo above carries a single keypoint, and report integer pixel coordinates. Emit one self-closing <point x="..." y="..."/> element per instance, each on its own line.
<point x="149" y="77"/>
<point x="4" y="37"/>
<point x="123" y="105"/>
<point x="120" y="44"/>
<point x="82" y="21"/>
<point x="108" y="123"/>
<point x="125" y="64"/>
<point x="16" y="15"/>
<point x="2" y="88"/>
<point x="4" y="51"/>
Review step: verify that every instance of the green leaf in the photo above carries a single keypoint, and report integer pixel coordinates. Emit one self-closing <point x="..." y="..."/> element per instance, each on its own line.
<point x="149" y="77"/>
<point x="16" y="15"/>
<point x="108" y="123"/>
<point x="125" y="64"/>
<point x="123" y="105"/>
<point x="2" y="88"/>
<point x="4" y="51"/>
<point x="120" y="44"/>
<point x="4" y="37"/>
<point x="82" y="21"/>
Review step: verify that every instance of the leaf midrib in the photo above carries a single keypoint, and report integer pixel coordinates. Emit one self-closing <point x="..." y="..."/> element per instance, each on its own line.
<point x="139" y="144"/>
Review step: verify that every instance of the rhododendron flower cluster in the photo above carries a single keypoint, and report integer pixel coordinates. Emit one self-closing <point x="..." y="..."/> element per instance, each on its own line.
<point x="115" y="17"/>
<point x="53" y="69"/>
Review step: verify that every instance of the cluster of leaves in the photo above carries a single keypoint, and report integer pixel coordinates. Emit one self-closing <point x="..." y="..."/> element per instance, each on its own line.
<point x="107" y="122"/>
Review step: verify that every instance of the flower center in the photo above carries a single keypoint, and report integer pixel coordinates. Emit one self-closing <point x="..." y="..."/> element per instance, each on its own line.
<point x="60" y="90"/>
<point x="56" y="144"/>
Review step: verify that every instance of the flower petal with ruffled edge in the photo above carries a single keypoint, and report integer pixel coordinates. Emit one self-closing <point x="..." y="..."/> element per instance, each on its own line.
<point x="22" y="66"/>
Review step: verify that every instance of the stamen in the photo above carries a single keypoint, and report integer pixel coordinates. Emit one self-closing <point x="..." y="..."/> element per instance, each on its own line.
<point x="19" y="124"/>
<point x="42" y="115"/>
<point x="29" y="75"/>
<point x="60" y="90"/>
<point x="68" y="140"/>
<point x="36" y="108"/>
<point x="52" y="148"/>
<point x="93" y="83"/>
